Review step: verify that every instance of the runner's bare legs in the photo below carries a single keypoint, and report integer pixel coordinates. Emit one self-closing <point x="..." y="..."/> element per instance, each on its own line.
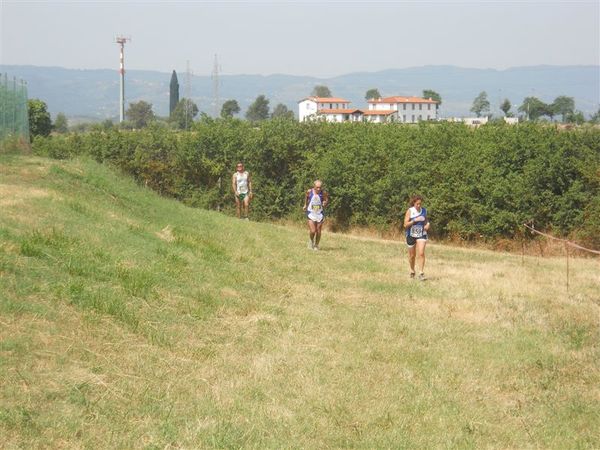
<point x="412" y="253"/>
<point x="419" y="249"/>
<point x="238" y="206"/>
<point x="312" y="226"/>
<point x="318" y="227"/>
<point x="246" y="205"/>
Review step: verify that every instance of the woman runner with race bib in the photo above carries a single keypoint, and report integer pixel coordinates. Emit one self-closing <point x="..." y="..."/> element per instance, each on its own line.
<point x="315" y="202"/>
<point x="416" y="224"/>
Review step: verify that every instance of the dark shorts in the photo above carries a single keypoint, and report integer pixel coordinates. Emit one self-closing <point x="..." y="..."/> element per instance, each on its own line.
<point x="242" y="197"/>
<point x="411" y="241"/>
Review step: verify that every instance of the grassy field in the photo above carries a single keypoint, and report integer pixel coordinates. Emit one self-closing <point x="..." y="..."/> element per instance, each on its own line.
<point x="131" y="321"/>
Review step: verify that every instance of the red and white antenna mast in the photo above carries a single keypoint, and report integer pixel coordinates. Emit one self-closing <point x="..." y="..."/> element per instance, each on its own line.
<point x="121" y="40"/>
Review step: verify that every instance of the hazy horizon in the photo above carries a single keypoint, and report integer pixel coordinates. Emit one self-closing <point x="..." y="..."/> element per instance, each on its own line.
<point x="301" y="38"/>
<point x="181" y="71"/>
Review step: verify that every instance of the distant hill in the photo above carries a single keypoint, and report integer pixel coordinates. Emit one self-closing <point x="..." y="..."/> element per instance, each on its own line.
<point x="95" y="93"/>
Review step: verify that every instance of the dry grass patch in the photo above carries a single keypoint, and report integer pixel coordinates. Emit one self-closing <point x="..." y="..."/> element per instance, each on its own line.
<point x="234" y="335"/>
<point x="166" y="234"/>
<point x="11" y="195"/>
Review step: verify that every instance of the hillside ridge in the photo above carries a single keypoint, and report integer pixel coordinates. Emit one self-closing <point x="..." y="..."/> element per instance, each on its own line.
<point x="132" y="321"/>
<point x="458" y="87"/>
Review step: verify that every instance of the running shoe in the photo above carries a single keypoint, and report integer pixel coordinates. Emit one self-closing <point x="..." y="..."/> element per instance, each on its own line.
<point x="422" y="277"/>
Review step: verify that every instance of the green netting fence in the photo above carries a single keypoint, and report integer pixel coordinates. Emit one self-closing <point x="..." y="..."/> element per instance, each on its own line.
<point x="14" y="121"/>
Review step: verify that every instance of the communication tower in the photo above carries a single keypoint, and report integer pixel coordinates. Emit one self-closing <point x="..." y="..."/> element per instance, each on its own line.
<point x="121" y="41"/>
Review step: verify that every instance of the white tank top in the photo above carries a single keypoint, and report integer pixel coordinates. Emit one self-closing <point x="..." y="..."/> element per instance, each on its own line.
<point x="315" y="208"/>
<point x="418" y="229"/>
<point x="241" y="180"/>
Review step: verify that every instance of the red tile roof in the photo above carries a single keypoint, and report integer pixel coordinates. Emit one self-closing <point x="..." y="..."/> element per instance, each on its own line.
<point x="326" y="99"/>
<point x="398" y="99"/>
<point x="339" y="111"/>
<point x="382" y="112"/>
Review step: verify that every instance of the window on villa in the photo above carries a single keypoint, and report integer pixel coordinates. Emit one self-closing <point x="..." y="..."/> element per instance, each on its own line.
<point x="420" y="117"/>
<point x="420" y="106"/>
<point x="413" y="105"/>
<point x="404" y="118"/>
<point x="404" y="107"/>
<point x="429" y="106"/>
<point x="413" y="118"/>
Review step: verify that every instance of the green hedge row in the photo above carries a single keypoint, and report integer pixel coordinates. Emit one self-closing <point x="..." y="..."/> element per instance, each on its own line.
<point x="477" y="182"/>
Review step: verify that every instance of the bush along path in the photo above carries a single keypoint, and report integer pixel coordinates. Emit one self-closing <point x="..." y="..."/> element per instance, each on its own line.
<point x="478" y="183"/>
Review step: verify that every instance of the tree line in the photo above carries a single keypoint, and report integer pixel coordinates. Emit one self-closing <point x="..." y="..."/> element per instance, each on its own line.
<point x="532" y="108"/>
<point x="479" y="183"/>
<point x="183" y="112"/>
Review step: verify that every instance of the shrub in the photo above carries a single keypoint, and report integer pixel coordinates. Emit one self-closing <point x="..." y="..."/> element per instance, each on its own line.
<point x="482" y="182"/>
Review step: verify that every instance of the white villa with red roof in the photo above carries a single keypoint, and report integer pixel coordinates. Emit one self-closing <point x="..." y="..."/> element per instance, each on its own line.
<point x="332" y="109"/>
<point x="388" y="109"/>
<point x="408" y="109"/>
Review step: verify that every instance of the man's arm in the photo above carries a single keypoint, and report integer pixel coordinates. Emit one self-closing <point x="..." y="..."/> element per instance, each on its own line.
<point x="305" y="201"/>
<point x="249" y="184"/>
<point x="233" y="184"/>
<point x="325" y="199"/>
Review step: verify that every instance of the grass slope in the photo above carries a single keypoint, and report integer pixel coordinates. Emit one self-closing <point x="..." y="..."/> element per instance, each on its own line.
<point x="130" y="321"/>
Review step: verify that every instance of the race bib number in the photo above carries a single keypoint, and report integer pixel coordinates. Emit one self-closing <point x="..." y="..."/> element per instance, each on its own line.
<point x="416" y="231"/>
<point x="316" y="208"/>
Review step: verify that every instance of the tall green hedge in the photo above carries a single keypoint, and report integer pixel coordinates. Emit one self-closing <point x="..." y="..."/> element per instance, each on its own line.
<point x="477" y="182"/>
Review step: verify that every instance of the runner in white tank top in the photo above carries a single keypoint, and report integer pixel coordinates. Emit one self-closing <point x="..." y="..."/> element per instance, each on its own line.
<point x="417" y="225"/>
<point x="314" y="209"/>
<point x="241" y="180"/>
<point x="241" y="185"/>
<point x="315" y="203"/>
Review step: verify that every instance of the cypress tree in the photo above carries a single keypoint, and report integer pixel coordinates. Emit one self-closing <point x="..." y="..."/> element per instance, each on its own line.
<point x="174" y="93"/>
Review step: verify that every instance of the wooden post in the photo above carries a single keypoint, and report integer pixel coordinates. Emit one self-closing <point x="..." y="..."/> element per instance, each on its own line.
<point x="522" y="251"/>
<point x="567" y="251"/>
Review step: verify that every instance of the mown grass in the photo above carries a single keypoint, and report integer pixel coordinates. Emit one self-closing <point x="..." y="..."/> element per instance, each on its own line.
<point x="131" y="321"/>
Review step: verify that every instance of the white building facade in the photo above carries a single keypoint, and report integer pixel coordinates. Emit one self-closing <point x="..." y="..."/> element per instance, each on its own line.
<point x="310" y="107"/>
<point x="382" y="110"/>
<point x="408" y="109"/>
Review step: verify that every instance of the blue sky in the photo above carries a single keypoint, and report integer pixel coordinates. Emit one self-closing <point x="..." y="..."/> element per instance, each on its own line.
<point x="301" y="38"/>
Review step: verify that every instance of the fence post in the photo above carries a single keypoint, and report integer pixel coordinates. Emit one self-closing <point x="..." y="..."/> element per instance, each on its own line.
<point x="567" y="250"/>
<point x="522" y="250"/>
